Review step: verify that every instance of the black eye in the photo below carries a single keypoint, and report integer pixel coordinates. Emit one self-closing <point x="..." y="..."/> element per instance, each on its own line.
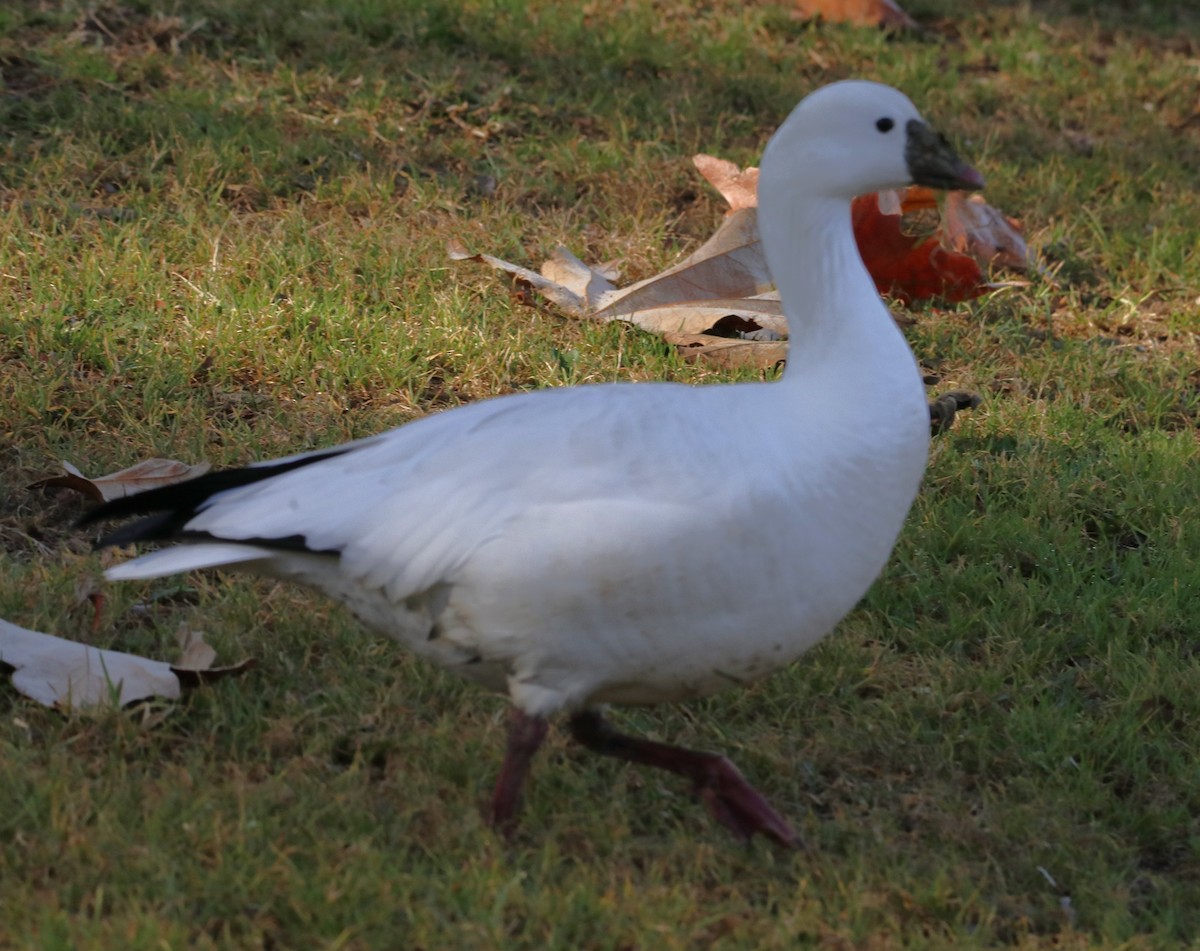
<point x="885" y="124"/>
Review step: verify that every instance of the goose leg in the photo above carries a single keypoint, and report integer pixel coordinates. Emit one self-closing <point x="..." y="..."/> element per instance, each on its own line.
<point x="525" y="735"/>
<point x="729" y="798"/>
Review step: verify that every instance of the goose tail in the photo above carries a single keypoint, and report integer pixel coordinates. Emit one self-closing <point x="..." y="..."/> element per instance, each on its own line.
<point x="172" y="561"/>
<point x="169" y="508"/>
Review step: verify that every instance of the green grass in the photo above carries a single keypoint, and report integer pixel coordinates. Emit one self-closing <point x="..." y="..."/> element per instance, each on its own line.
<point x="222" y="233"/>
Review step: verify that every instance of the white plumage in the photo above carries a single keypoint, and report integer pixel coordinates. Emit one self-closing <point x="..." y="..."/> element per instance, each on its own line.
<point x="626" y="543"/>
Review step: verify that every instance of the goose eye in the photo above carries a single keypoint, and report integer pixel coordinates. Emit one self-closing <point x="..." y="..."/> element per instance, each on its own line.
<point x="885" y="124"/>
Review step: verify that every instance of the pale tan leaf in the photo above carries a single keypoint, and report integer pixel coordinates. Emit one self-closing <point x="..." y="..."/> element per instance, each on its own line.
<point x="58" y="672"/>
<point x="728" y="352"/>
<point x="886" y="13"/>
<point x="763" y="314"/>
<point x="737" y="186"/>
<point x="195" y="664"/>
<point x="138" y="478"/>
<point x="572" y="303"/>
<point x="738" y="236"/>
<point x="974" y="227"/>
<point x="194" y="652"/>
<point x="591" y="285"/>
<point x="729" y="265"/>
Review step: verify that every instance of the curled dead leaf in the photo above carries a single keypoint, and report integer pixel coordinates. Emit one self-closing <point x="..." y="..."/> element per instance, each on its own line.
<point x="730" y="264"/>
<point x="138" y="478"/>
<point x="762" y="316"/>
<point x="727" y="352"/>
<point x="974" y="227"/>
<point x="194" y="652"/>
<point x="738" y="186"/>
<point x="900" y="236"/>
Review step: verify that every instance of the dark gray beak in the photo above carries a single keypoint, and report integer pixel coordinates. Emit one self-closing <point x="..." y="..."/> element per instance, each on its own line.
<point x="933" y="163"/>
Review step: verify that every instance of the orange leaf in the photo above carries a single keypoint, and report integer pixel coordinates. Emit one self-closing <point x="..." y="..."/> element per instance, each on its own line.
<point x="884" y="13"/>
<point x="906" y="267"/>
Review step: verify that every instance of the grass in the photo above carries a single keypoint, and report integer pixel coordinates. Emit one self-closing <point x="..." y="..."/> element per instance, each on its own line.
<point x="223" y="231"/>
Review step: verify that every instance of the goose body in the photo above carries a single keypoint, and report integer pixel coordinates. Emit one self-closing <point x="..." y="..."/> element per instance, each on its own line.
<point x="625" y="543"/>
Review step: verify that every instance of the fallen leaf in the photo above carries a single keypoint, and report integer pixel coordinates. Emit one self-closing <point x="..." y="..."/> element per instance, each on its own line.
<point x="974" y="227"/>
<point x="571" y="300"/>
<point x="727" y="352"/>
<point x="726" y="277"/>
<point x="728" y="265"/>
<point x="758" y="318"/>
<point x="738" y="186"/>
<point x="195" y="664"/>
<point x="194" y="652"/>
<point x="911" y="267"/>
<point x="63" y="673"/>
<point x="145" y="475"/>
<point x="592" y="285"/>
<point x="900" y="236"/>
<point x="884" y="13"/>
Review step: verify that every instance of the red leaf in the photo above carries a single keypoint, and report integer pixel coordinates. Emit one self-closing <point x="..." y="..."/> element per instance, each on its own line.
<point x="911" y="267"/>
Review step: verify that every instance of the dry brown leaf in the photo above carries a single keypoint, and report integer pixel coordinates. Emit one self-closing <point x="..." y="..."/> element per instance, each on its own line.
<point x="886" y="13"/>
<point x="974" y="227"/>
<point x="729" y="352"/>
<point x="145" y="475"/>
<point x="723" y="292"/>
<point x="761" y="316"/>
<point x="572" y="300"/>
<point x="738" y="186"/>
<point x="194" y="652"/>
<point x="730" y="264"/>
<point x="63" y="673"/>
<point x="195" y="664"/>
<point x="726" y="277"/>
<point x="592" y="285"/>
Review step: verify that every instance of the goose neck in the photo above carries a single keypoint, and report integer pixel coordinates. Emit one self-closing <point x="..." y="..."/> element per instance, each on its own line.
<point x="834" y="312"/>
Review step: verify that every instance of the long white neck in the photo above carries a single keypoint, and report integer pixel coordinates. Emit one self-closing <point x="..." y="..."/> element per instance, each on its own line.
<point x="836" y="319"/>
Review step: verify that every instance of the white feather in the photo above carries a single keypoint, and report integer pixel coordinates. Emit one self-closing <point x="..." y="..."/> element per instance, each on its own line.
<point x="170" y="561"/>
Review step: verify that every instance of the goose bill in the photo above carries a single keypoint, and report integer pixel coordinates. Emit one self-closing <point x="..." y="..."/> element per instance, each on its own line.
<point x="933" y="163"/>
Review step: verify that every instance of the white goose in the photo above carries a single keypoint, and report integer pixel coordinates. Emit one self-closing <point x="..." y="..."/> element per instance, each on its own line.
<point x="549" y="544"/>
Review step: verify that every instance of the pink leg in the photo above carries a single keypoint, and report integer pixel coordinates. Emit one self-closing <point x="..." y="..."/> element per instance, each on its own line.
<point x="525" y="735"/>
<point x="730" y="800"/>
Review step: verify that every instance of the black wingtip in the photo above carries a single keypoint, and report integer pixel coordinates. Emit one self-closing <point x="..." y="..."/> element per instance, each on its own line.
<point x="170" y="507"/>
<point x="162" y="525"/>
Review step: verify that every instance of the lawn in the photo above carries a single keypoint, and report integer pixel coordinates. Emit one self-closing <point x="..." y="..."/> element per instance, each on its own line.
<point x="223" y="237"/>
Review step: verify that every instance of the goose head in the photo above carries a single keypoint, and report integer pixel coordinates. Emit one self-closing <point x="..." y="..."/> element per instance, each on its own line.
<point x="853" y="137"/>
<point x="843" y="140"/>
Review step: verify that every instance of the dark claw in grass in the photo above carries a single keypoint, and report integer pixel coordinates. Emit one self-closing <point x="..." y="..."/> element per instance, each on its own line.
<point x="943" y="409"/>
